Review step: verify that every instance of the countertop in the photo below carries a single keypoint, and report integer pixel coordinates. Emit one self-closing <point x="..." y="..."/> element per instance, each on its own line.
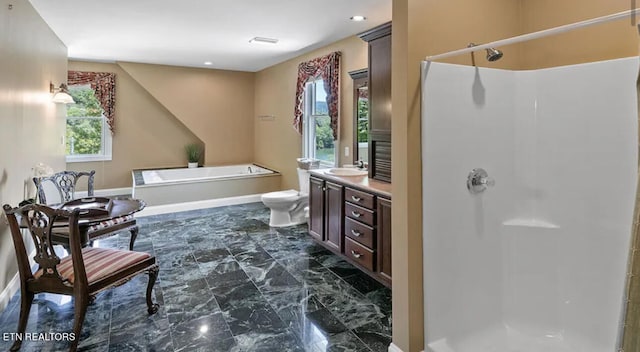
<point x="360" y="182"/>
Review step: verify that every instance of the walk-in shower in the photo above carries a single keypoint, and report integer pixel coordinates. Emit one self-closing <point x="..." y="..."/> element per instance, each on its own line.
<point x="529" y="183"/>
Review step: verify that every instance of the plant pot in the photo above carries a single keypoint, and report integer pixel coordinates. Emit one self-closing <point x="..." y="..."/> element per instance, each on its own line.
<point x="192" y="165"/>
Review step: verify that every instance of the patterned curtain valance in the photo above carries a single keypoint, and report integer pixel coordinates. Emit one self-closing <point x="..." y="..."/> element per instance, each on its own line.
<point x="327" y="67"/>
<point x="104" y="87"/>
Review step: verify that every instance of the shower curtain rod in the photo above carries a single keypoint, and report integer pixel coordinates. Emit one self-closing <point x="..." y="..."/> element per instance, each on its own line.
<point x="539" y="34"/>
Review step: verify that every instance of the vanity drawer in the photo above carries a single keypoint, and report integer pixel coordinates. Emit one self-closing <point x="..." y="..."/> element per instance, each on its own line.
<point x="358" y="197"/>
<point x="358" y="253"/>
<point x="359" y="232"/>
<point x="358" y="213"/>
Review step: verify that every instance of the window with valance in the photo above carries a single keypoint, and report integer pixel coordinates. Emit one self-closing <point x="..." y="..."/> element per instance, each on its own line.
<point x="91" y="120"/>
<point x="316" y="113"/>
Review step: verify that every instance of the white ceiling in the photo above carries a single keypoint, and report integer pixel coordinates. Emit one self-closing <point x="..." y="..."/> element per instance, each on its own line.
<point x="190" y="32"/>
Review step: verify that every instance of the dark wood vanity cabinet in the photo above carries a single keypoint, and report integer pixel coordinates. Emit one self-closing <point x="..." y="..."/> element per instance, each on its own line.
<point x="333" y="215"/>
<point x="326" y="212"/>
<point x="379" y="40"/>
<point x="316" y="208"/>
<point x="355" y="223"/>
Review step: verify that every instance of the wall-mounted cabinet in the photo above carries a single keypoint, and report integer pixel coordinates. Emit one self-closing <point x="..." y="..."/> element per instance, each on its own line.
<point x="379" y="40"/>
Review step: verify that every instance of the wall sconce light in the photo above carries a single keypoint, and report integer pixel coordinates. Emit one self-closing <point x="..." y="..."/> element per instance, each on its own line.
<point x="61" y="95"/>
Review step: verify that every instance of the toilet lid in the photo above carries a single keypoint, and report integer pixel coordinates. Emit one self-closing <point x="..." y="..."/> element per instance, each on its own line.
<point x="291" y="194"/>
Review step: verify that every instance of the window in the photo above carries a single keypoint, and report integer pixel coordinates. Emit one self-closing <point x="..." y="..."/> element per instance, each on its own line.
<point x="317" y="136"/>
<point x="88" y="136"/>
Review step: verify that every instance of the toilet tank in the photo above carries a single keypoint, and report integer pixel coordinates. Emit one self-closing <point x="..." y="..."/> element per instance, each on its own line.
<point x="303" y="181"/>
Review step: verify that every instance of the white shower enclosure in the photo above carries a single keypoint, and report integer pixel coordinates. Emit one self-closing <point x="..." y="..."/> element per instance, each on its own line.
<point x="536" y="263"/>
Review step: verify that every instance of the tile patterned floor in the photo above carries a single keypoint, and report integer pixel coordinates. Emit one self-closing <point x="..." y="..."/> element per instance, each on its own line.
<point x="227" y="282"/>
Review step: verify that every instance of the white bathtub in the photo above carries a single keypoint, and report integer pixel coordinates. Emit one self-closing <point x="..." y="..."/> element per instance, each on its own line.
<point x="166" y="186"/>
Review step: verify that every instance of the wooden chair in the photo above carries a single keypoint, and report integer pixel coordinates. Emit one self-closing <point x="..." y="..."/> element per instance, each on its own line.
<point x="65" y="183"/>
<point x="83" y="274"/>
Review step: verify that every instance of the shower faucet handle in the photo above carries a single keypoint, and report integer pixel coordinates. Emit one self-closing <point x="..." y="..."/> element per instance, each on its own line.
<point x="478" y="181"/>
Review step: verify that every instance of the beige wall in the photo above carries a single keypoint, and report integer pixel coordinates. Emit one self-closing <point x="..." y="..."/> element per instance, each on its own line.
<point x="602" y="42"/>
<point x="422" y="28"/>
<point x="31" y="126"/>
<point x="147" y="134"/>
<point x="277" y="144"/>
<point x="216" y="105"/>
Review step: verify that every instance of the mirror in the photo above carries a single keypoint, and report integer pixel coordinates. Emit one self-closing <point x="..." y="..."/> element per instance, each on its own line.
<point x="360" y="115"/>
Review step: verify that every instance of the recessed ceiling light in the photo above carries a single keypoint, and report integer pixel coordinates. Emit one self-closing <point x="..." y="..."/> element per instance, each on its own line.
<point x="208" y="63"/>
<point x="261" y="40"/>
<point x="358" y="18"/>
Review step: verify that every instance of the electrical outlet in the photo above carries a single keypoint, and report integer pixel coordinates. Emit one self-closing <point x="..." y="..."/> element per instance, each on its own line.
<point x="346" y="151"/>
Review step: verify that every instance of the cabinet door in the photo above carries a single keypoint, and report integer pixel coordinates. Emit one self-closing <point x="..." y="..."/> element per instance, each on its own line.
<point x="380" y="83"/>
<point x="384" y="239"/>
<point x="334" y="215"/>
<point x="316" y="208"/>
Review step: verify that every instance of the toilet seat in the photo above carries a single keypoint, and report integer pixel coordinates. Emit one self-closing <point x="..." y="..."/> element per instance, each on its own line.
<point x="285" y="196"/>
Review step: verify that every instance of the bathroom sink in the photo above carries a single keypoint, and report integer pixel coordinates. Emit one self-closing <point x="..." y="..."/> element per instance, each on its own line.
<point x="346" y="171"/>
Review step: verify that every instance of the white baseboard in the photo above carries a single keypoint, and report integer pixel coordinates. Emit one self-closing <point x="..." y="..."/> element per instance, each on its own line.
<point x="14" y="285"/>
<point x="201" y="204"/>
<point x="9" y="291"/>
<point x="106" y="192"/>
<point x="394" y="348"/>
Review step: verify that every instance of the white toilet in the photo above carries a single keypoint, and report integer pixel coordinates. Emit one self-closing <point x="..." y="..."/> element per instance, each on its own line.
<point x="290" y="207"/>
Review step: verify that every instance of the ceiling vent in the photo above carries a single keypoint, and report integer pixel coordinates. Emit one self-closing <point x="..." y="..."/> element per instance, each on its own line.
<point x="261" y="40"/>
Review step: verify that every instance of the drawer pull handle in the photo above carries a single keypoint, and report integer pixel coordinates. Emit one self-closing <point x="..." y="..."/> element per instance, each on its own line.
<point x="356" y="214"/>
<point x="356" y="233"/>
<point x="356" y="254"/>
<point x="356" y="199"/>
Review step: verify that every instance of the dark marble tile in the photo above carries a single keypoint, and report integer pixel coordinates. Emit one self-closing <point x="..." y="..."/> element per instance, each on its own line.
<point x="341" y="267"/>
<point x="285" y="341"/>
<point x="344" y="342"/>
<point x="355" y="313"/>
<point x="178" y="276"/>
<point x="141" y="340"/>
<point x="255" y="256"/>
<point x="293" y="303"/>
<point x="301" y="266"/>
<point x="363" y="282"/>
<point x="206" y="333"/>
<point x="271" y="277"/>
<point x="217" y="260"/>
<point x="376" y="334"/>
<point x="245" y="309"/>
<point x="227" y="279"/>
<point x="132" y="314"/>
<point x="95" y="343"/>
<point x="171" y="257"/>
<point x="230" y="297"/>
<point x="251" y="225"/>
<point x="207" y="255"/>
<point x="292" y="308"/>
<point x="256" y="317"/>
<point x="95" y="327"/>
<point x="381" y="298"/>
<point x="322" y="320"/>
<point x="299" y="299"/>
<point x="190" y="301"/>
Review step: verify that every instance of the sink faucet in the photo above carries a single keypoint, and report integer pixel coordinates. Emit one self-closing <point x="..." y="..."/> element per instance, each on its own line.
<point x="250" y="170"/>
<point x="360" y="164"/>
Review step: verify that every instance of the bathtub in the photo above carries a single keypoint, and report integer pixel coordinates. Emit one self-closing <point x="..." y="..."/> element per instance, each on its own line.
<point x="178" y="185"/>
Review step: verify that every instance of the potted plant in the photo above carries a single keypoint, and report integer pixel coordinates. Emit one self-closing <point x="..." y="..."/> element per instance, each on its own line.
<point x="193" y="154"/>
